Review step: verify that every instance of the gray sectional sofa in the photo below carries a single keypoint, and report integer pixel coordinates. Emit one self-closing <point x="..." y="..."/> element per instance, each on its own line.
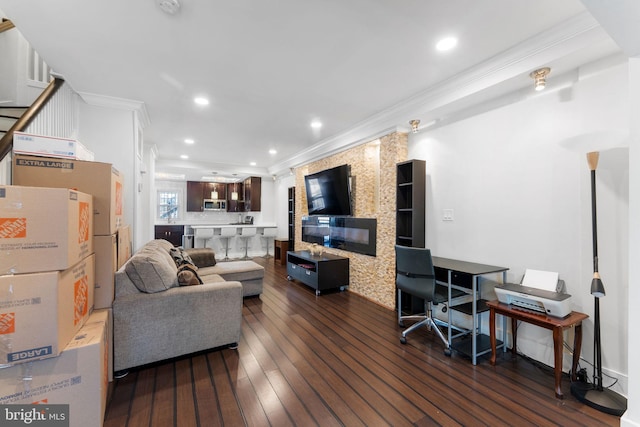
<point x="156" y="316"/>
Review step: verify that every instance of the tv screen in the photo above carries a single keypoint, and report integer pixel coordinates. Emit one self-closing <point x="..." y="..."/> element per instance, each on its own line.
<point x="328" y="192"/>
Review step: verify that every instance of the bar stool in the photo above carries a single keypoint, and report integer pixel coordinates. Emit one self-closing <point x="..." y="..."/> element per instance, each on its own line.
<point x="225" y="234"/>
<point x="269" y="234"/>
<point x="247" y="233"/>
<point x="205" y="234"/>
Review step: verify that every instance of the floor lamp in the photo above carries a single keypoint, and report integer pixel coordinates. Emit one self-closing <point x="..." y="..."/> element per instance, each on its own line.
<point x="594" y="395"/>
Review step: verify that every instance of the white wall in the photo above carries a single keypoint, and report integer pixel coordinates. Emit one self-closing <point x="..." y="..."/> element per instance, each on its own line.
<point x="110" y="134"/>
<point x="518" y="182"/>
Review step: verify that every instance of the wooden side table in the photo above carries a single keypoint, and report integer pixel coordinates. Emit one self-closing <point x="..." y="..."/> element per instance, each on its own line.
<point x="556" y="324"/>
<point x="280" y="248"/>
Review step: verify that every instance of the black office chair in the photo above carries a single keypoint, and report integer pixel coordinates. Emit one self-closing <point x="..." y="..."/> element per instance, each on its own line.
<point x="415" y="276"/>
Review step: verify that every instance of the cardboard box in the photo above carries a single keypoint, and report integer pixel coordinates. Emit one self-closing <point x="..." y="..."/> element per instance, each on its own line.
<point x="106" y="266"/>
<point x="77" y="377"/>
<point x="124" y="245"/>
<point x="43" y="229"/>
<point x="101" y="180"/>
<point x="105" y="315"/>
<point x="41" y="312"/>
<point x="50" y="146"/>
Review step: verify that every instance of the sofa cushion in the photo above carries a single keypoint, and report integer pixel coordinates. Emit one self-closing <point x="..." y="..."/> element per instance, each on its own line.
<point x="151" y="273"/>
<point x="202" y="257"/>
<point x="235" y="270"/>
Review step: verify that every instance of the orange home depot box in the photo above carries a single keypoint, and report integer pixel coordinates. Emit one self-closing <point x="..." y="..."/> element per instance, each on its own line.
<point x="41" y="312"/>
<point x="77" y="377"/>
<point x="124" y="245"/>
<point x="106" y="266"/>
<point x="43" y="229"/>
<point x="101" y="180"/>
<point x="105" y="315"/>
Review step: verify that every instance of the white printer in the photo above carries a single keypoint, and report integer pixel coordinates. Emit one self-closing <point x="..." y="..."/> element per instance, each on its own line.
<point x="540" y="291"/>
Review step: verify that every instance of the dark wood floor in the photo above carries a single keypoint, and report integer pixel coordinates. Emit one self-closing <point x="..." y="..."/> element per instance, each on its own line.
<point x="336" y="360"/>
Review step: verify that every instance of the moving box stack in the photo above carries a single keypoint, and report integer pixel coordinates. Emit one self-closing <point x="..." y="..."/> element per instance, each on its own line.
<point x="62" y="238"/>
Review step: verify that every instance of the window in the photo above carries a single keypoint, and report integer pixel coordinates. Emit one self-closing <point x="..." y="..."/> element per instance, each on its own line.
<point x="168" y="204"/>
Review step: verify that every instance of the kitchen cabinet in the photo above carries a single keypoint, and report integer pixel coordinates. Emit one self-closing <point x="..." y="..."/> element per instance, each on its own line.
<point x="235" y="205"/>
<point x="198" y="191"/>
<point x="252" y="187"/>
<point x="172" y="233"/>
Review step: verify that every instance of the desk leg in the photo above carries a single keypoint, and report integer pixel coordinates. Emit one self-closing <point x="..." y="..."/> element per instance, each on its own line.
<point x="514" y="335"/>
<point x="557" y="352"/>
<point x="577" y="348"/>
<point x="492" y="335"/>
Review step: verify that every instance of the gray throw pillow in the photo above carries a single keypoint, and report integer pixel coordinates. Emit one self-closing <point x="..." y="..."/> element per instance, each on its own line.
<point x="151" y="274"/>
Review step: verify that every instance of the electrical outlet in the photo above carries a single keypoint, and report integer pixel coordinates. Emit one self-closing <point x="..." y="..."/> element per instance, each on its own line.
<point x="447" y="214"/>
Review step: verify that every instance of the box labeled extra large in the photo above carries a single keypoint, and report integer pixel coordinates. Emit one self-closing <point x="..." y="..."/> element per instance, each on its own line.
<point x="106" y="267"/>
<point x="50" y="146"/>
<point x="101" y="180"/>
<point x="78" y="377"/>
<point x="41" y="312"/>
<point x="43" y="229"/>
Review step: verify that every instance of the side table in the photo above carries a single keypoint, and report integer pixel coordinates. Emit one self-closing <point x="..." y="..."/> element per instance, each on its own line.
<point x="556" y="324"/>
<point x="280" y="248"/>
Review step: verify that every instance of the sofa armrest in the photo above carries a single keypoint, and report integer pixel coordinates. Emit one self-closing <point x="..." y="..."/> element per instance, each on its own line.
<point x="152" y="327"/>
<point x="202" y="257"/>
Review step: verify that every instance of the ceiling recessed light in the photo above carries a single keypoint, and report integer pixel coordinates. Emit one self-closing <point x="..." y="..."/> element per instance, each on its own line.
<point x="446" y="43"/>
<point x="184" y="156"/>
<point x="189" y="141"/>
<point x="253" y="163"/>
<point x="316" y="124"/>
<point x="273" y="151"/>
<point x="201" y="100"/>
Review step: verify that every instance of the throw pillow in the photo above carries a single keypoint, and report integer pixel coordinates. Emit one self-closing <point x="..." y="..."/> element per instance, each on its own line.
<point x="150" y="274"/>
<point x="187" y="273"/>
<point x="180" y="257"/>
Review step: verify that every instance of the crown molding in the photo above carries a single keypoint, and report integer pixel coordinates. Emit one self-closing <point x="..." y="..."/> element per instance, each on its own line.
<point x="118" y="104"/>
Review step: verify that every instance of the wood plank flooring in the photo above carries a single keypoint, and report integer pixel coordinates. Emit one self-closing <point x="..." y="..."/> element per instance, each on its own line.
<point x="336" y="360"/>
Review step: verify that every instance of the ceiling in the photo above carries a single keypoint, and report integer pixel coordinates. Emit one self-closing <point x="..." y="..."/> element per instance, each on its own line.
<point x="270" y="68"/>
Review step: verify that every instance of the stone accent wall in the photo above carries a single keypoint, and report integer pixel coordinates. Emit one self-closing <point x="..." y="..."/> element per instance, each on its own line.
<point x="373" y="168"/>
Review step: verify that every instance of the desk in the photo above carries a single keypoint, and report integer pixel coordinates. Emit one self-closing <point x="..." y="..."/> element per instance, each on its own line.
<point x="463" y="275"/>
<point x="280" y="248"/>
<point x="556" y="324"/>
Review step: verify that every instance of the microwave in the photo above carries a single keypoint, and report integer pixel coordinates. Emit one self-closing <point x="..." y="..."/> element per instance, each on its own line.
<point x="215" y="205"/>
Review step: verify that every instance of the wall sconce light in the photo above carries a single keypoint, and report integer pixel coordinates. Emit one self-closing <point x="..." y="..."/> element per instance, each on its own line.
<point x="540" y="78"/>
<point x="414" y="125"/>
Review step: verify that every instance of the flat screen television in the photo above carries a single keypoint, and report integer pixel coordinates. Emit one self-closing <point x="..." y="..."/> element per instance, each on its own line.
<point x="328" y="192"/>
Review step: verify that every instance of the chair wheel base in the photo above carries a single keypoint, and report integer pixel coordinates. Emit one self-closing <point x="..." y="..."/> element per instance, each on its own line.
<point x="403" y="340"/>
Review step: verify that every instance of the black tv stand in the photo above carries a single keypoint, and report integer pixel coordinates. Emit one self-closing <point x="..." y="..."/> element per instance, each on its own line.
<point x="320" y="272"/>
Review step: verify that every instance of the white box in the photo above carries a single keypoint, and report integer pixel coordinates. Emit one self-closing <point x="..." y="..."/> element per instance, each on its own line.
<point x="106" y="266"/>
<point x="78" y="377"/>
<point x="50" y="146"/>
<point x="41" y="312"/>
<point x="43" y="229"/>
<point x="101" y="180"/>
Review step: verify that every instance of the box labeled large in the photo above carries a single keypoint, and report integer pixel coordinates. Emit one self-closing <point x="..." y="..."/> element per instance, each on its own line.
<point x="41" y="312"/>
<point x="43" y="229"/>
<point x="101" y="180"/>
<point x="105" y="315"/>
<point x="78" y="377"/>
<point x="106" y="266"/>
<point x="50" y="146"/>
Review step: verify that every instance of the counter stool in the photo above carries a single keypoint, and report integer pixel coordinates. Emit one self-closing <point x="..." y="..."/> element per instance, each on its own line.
<point x="247" y="233"/>
<point x="205" y="234"/>
<point x="225" y="234"/>
<point x="268" y="234"/>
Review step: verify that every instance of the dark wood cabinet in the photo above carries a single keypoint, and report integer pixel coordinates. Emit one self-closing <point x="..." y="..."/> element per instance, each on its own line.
<point x="198" y="191"/>
<point x="291" y="217"/>
<point x="235" y="205"/>
<point x="172" y="233"/>
<point x="252" y="189"/>
<point x="410" y="203"/>
<point x="194" y="196"/>
<point x="321" y="272"/>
